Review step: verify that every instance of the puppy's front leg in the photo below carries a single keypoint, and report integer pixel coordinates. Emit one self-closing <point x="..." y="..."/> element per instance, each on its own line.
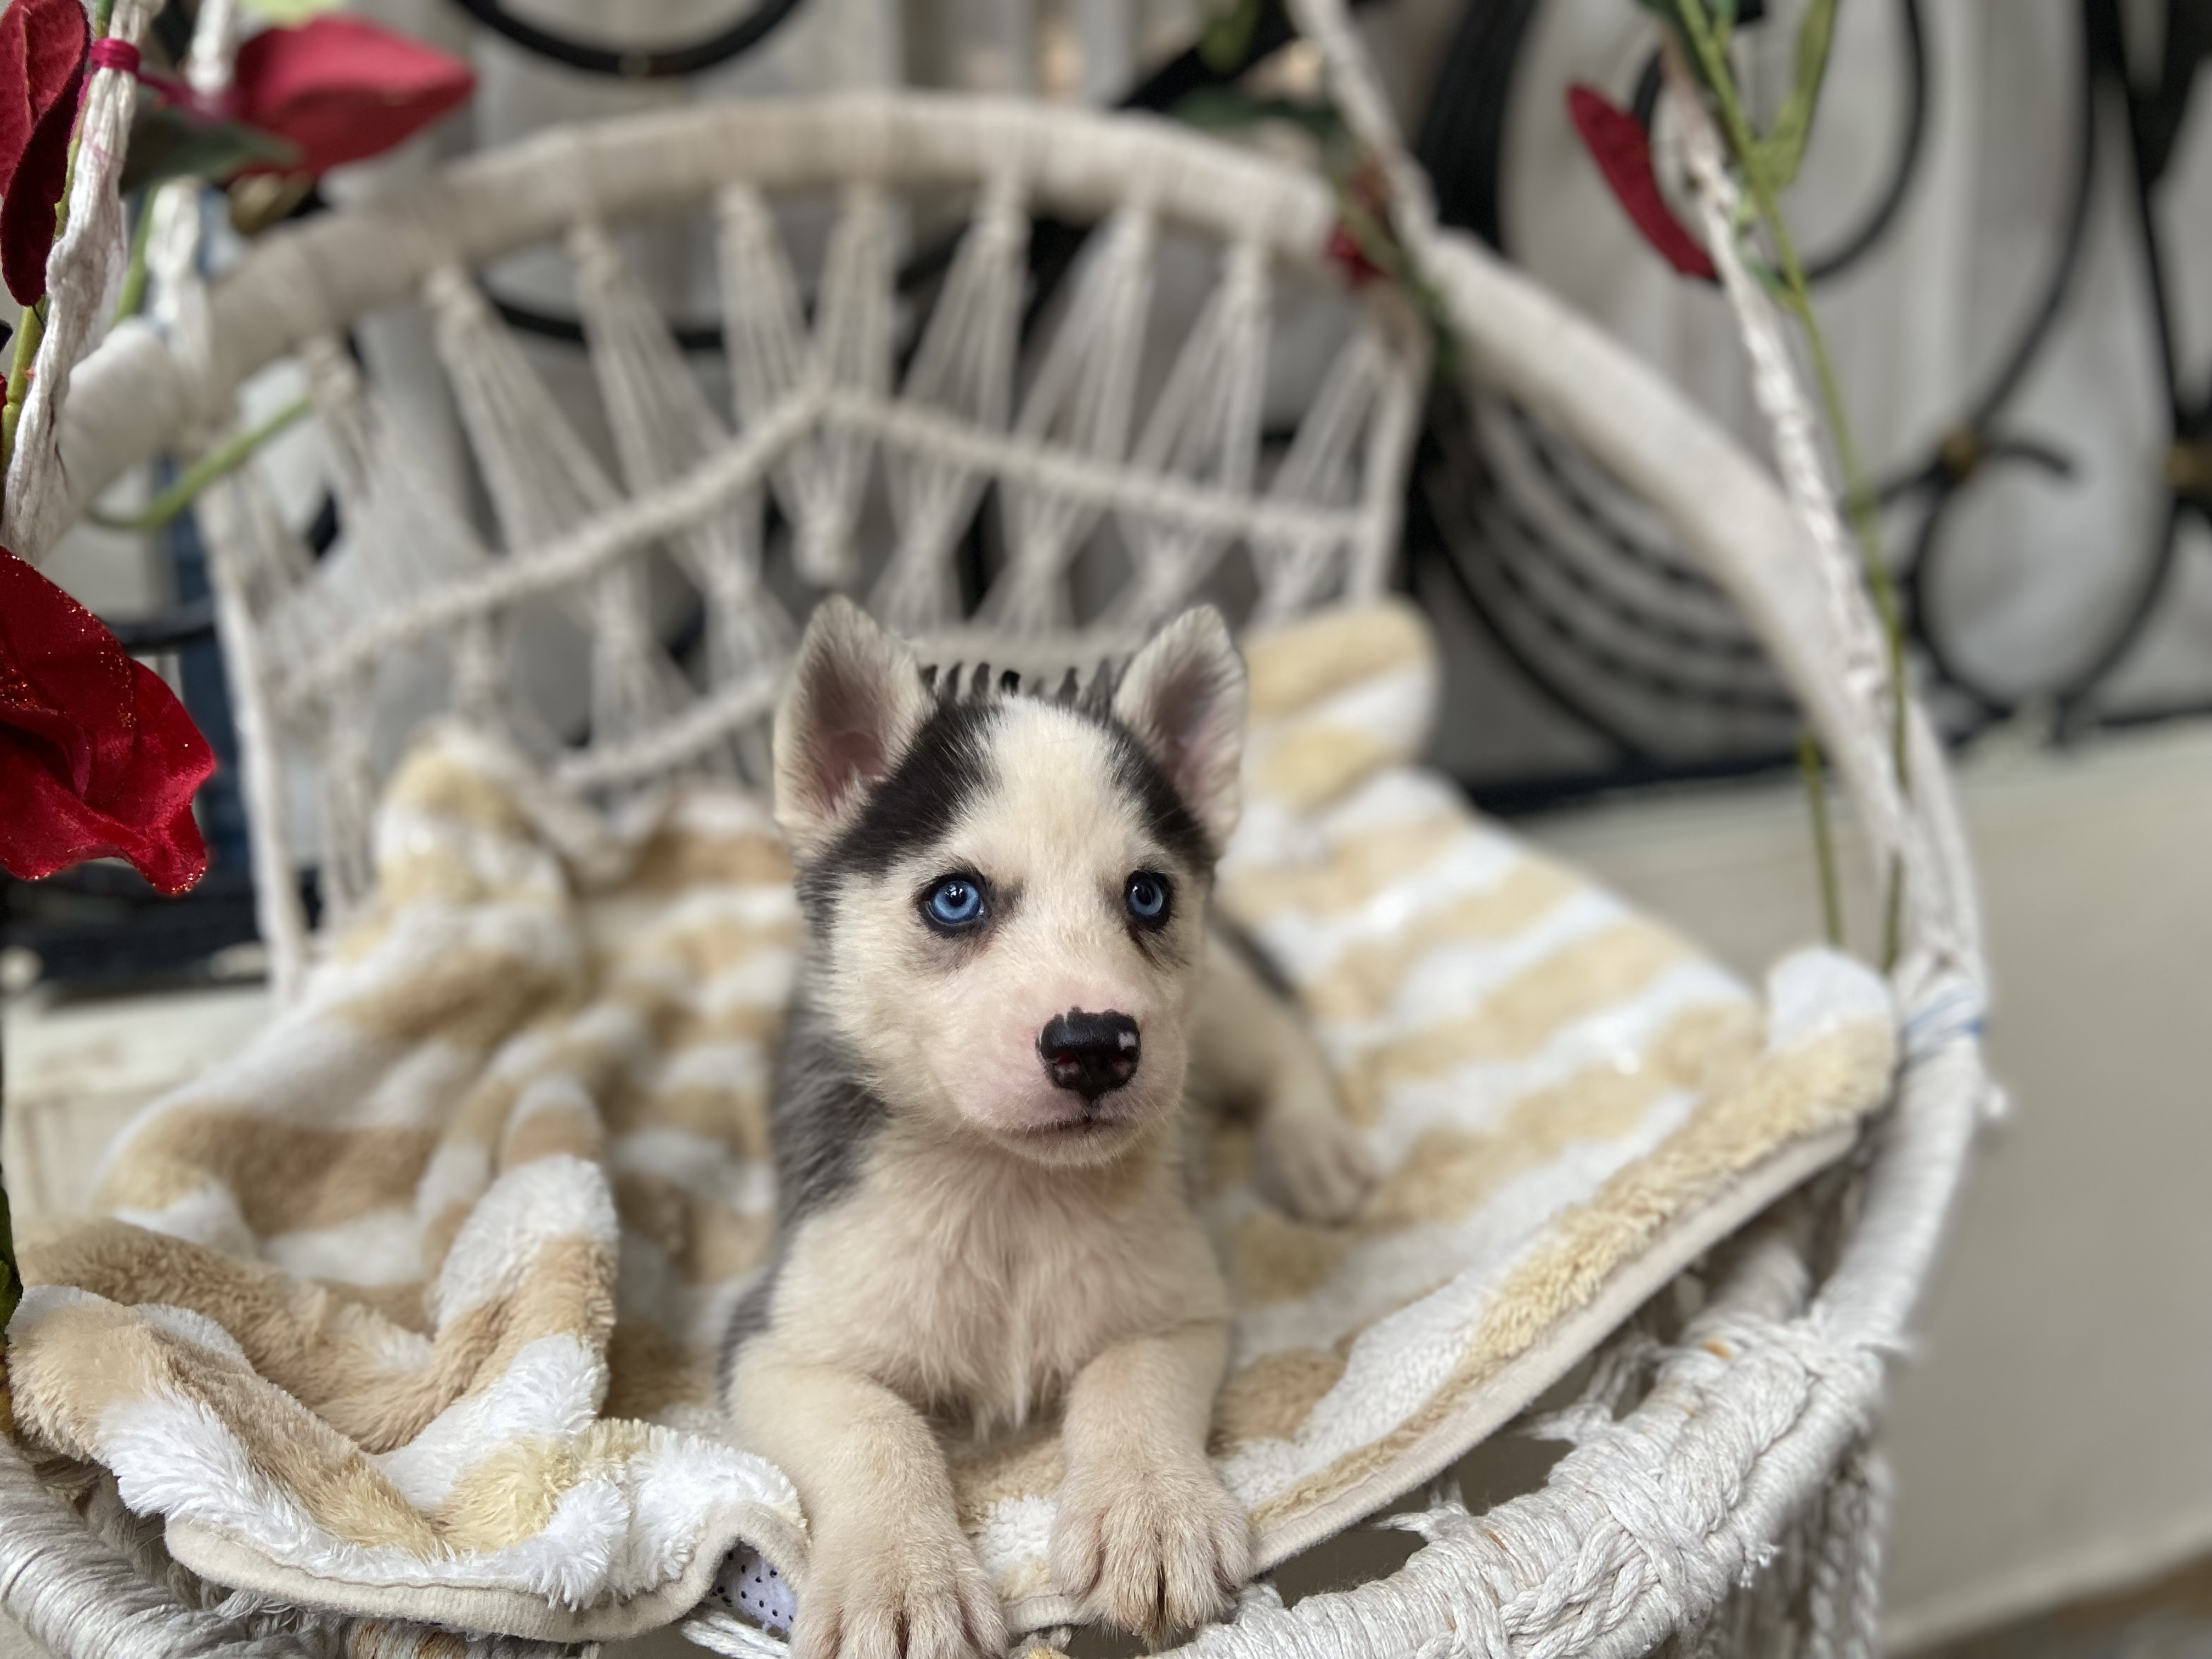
<point x="888" y="1573"/>
<point x="1147" y="1536"/>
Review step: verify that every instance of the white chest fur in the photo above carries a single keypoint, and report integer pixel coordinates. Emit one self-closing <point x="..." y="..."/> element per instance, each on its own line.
<point x="977" y="1283"/>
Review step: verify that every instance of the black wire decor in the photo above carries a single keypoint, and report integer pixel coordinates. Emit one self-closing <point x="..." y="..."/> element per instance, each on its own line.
<point x="2153" y="116"/>
<point x="1590" y="601"/>
<point x="1461" y="140"/>
<point x="1053" y="243"/>
<point x="1589" y="598"/>
<point x="1581" y="588"/>
<point x="655" y="63"/>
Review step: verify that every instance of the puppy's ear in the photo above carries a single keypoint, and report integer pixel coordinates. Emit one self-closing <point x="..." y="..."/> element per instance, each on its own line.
<point x="853" y="702"/>
<point x="1183" y="697"/>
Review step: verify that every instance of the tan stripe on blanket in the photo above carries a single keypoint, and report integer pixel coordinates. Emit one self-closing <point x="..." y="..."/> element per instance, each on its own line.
<point x="1514" y="1022"/>
<point x="1799" y="1092"/>
<point x="285" y="1176"/>
<point x="471" y="998"/>
<point x="1313" y="765"/>
<point x="1362" y="982"/>
<point x="1448" y="1172"/>
<point x="1296" y="665"/>
<point x="1357" y="868"/>
<point x="95" y="1361"/>
<point x="332" y="1354"/>
<point x="678" y="859"/>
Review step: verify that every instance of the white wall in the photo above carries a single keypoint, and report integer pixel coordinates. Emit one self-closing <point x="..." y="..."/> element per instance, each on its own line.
<point x="2052" y="1432"/>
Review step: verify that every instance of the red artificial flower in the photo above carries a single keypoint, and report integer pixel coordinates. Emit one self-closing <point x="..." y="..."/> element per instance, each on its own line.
<point x="1345" y="250"/>
<point x="1618" y="144"/>
<point x="342" y="89"/>
<point x="1365" y="196"/>
<point x="43" y="45"/>
<point x="97" y="758"/>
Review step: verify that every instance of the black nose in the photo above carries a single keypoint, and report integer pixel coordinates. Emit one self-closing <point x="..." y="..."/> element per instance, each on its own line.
<point x="1089" y="1053"/>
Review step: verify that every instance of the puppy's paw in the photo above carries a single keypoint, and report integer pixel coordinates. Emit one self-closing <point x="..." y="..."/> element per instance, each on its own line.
<point x="1307" y="1159"/>
<point x="876" y="1594"/>
<point x="1151" y="1548"/>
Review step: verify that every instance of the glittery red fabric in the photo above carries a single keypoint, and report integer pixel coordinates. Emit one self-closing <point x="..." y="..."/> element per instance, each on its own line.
<point x="98" y="759"/>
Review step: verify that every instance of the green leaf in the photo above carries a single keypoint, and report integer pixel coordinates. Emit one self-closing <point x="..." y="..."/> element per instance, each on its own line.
<point x="1225" y="109"/>
<point x="1218" y="109"/>
<point x="1723" y="13"/>
<point x="1721" y="19"/>
<point x="170" y="142"/>
<point x="1784" y="143"/>
<point x="1227" y="35"/>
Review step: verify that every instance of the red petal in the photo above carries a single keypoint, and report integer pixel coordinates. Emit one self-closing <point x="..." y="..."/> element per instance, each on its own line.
<point x="1623" y="154"/>
<point x="53" y="37"/>
<point x="42" y="45"/>
<point x="63" y="677"/>
<point x="97" y="757"/>
<point x="343" y="89"/>
<point x="1351" y="259"/>
<point x="18" y="113"/>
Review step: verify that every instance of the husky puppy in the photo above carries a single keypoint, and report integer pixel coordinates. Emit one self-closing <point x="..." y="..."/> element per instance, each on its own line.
<point x="1008" y="979"/>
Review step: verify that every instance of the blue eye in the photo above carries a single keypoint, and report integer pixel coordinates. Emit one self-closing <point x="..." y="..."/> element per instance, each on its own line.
<point x="956" y="902"/>
<point x="1146" y="896"/>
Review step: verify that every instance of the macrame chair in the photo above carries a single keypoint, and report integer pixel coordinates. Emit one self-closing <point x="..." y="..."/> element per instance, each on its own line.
<point x="1721" y="1491"/>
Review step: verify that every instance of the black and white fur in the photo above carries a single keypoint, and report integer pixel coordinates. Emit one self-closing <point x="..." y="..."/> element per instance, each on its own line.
<point x="1009" y="981"/>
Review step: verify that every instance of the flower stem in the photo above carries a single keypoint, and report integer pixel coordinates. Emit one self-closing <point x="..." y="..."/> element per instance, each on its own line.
<point x="28" y="332"/>
<point x="133" y="295"/>
<point x="1824" y="847"/>
<point x="227" y="457"/>
<point x="1859" y="501"/>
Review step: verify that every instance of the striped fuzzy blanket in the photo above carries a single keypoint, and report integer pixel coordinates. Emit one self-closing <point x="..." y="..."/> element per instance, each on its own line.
<point x="410" y="1309"/>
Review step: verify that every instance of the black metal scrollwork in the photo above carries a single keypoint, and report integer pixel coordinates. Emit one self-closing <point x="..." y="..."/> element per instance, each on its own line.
<point x="2154" y="117"/>
<point x="635" y="63"/>
<point x="1545" y="555"/>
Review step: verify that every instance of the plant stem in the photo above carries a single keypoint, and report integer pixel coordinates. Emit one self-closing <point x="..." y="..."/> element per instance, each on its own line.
<point x="1227" y="35"/>
<point x="28" y="332"/>
<point x="1824" y="847"/>
<point x="1859" y="501"/>
<point x="133" y="296"/>
<point x="225" y="458"/>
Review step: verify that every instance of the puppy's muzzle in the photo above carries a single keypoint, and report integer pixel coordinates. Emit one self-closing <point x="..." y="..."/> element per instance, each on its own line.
<point x="1089" y="1053"/>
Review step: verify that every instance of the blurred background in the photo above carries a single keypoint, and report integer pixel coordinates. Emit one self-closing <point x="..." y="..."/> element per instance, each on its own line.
<point x="2006" y="207"/>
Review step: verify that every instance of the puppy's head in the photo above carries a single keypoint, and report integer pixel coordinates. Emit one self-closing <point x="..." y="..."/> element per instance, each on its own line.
<point x="1007" y="890"/>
